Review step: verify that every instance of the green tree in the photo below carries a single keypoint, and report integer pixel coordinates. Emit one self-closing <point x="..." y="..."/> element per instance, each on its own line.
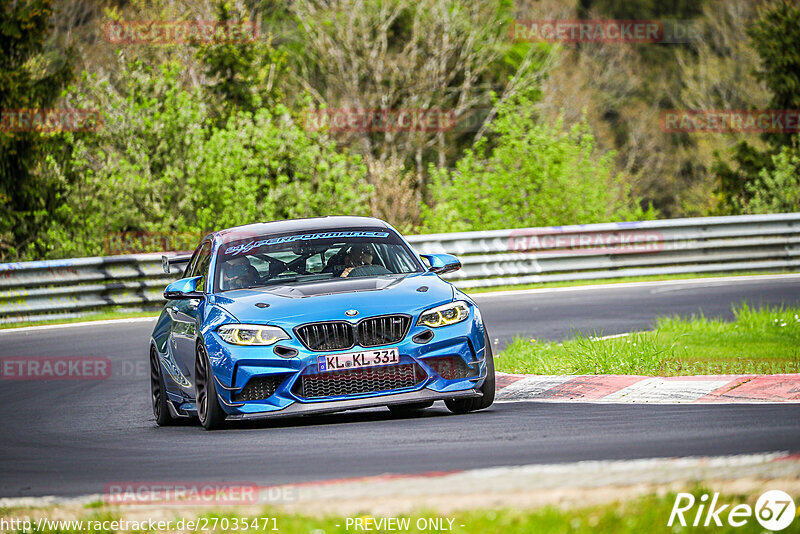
<point x="778" y="188"/>
<point x="33" y="73"/>
<point x="243" y="76"/>
<point x="536" y="175"/>
<point x="133" y="173"/>
<point x="265" y="166"/>
<point x="412" y="55"/>
<point x="161" y="165"/>
<point x="776" y="37"/>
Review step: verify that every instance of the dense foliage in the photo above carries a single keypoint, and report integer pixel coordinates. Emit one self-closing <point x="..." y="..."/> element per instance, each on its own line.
<point x="196" y="136"/>
<point x="32" y="74"/>
<point x="537" y="174"/>
<point x="161" y="163"/>
<point x="765" y="180"/>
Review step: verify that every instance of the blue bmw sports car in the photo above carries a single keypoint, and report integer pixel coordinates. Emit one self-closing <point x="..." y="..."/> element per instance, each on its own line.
<point x="315" y="316"/>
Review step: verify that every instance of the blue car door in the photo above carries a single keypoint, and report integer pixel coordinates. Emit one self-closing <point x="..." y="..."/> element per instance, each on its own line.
<point x="186" y="316"/>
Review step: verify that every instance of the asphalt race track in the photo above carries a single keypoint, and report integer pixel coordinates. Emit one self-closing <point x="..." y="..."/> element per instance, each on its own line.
<point x="556" y="314"/>
<point x="75" y="437"/>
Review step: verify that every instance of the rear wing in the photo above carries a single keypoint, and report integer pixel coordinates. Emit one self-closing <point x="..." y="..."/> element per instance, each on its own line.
<point x="169" y="261"/>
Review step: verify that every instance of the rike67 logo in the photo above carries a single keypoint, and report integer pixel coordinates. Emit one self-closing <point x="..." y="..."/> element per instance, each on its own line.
<point x="774" y="510"/>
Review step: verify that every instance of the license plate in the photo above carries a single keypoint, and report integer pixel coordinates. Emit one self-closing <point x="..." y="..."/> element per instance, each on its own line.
<point x="355" y="360"/>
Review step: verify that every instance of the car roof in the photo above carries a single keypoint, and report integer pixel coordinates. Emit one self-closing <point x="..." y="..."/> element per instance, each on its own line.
<point x="298" y="225"/>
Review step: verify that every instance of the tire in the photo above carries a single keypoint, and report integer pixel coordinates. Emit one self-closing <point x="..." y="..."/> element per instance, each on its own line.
<point x="409" y="409"/>
<point x="158" y="392"/>
<point x="209" y="411"/>
<point x="478" y="403"/>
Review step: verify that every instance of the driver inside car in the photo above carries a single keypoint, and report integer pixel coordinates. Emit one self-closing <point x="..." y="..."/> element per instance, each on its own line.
<point x="238" y="273"/>
<point x="356" y="257"/>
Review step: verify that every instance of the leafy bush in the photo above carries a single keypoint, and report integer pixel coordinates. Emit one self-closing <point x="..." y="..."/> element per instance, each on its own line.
<point x="264" y="166"/>
<point x="778" y="188"/>
<point x="33" y="72"/>
<point x="751" y="182"/>
<point x="535" y="175"/>
<point x="159" y="164"/>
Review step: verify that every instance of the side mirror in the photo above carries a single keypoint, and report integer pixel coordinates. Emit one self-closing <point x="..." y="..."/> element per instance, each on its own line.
<point x="185" y="288"/>
<point x="168" y="261"/>
<point x="442" y="263"/>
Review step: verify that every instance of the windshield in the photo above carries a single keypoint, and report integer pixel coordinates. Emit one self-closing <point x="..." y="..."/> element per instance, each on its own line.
<point x="273" y="259"/>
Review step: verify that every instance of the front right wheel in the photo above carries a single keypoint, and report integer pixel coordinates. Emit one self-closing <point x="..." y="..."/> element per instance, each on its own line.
<point x="478" y="403"/>
<point x="209" y="411"/>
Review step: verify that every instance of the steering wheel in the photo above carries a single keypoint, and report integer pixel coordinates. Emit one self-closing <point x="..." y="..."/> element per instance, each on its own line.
<point x="298" y="265"/>
<point x="276" y="267"/>
<point x="368" y="270"/>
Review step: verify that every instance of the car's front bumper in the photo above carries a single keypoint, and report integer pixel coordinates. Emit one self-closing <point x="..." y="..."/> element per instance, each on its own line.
<point x="234" y="366"/>
<point x="302" y="408"/>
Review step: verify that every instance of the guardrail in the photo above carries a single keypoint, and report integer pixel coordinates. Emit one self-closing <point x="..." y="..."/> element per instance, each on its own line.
<point x="41" y="290"/>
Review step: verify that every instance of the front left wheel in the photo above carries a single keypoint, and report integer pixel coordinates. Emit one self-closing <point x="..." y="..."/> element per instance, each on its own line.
<point x="158" y="392"/>
<point x="209" y="411"/>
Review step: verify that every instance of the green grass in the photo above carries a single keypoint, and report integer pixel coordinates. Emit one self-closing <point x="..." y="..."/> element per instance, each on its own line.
<point x="646" y="514"/>
<point x="621" y="280"/>
<point x="762" y="341"/>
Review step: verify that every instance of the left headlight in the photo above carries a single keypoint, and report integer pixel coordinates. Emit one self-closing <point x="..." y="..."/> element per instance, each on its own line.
<point x="446" y="314"/>
<point x="251" y="334"/>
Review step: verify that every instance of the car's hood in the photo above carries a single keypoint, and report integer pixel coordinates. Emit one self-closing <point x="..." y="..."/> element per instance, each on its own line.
<point x="330" y="299"/>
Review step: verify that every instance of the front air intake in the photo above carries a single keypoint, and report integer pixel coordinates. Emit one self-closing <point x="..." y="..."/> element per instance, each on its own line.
<point x="451" y="367"/>
<point x="259" y="388"/>
<point x="357" y="381"/>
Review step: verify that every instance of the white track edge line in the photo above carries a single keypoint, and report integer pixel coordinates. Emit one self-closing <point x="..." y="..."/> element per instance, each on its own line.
<point x="643" y="403"/>
<point x="82" y="323"/>
<point x="612" y="285"/>
<point x="512" y="292"/>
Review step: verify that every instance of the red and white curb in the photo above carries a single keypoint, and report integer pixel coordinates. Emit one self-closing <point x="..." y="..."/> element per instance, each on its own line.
<point x="644" y="389"/>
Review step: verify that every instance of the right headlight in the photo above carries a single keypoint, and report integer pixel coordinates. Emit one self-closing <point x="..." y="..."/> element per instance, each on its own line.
<point x="446" y="314"/>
